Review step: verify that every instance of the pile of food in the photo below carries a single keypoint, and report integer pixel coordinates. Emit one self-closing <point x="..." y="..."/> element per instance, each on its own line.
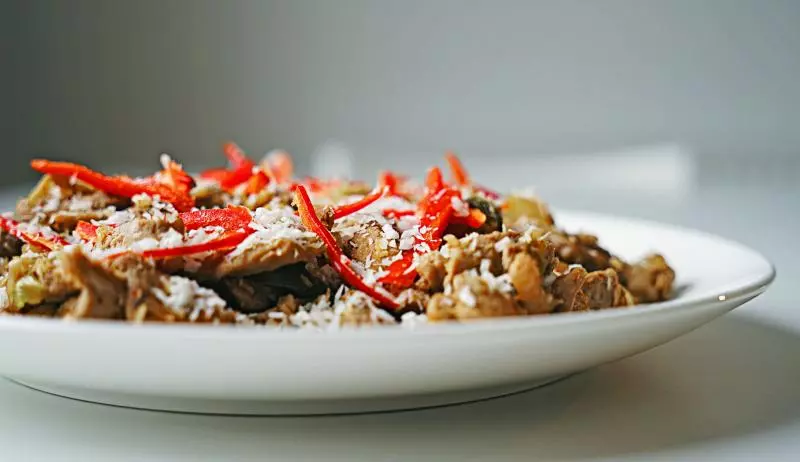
<point x="250" y="244"/>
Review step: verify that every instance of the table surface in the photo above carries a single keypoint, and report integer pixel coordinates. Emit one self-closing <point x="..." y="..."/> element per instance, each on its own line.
<point x="728" y="391"/>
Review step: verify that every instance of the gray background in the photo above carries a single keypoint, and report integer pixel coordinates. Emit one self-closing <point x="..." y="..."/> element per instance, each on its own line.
<point x="114" y="83"/>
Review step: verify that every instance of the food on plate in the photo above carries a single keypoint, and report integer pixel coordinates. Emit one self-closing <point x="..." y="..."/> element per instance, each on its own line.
<point x="251" y="244"/>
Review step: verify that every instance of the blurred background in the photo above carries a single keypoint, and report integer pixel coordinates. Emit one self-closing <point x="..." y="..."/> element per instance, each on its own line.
<point x="640" y="107"/>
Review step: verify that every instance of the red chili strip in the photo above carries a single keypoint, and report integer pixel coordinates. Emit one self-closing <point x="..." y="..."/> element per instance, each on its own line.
<point x="86" y="231"/>
<point x="232" y="218"/>
<point x="339" y="260"/>
<point x="226" y="241"/>
<point x="281" y="165"/>
<point x="435" y="211"/>
<point x="394" y="213"/>
<point x="241" y="168"/>
<point x="460" y="175"/>
<point x="37" y="239"/>
<point x="122" y="186"/>
<point x="349" y="209"/>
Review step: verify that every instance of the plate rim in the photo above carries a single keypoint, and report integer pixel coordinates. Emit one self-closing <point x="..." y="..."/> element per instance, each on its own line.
<point x="745" y="291"/>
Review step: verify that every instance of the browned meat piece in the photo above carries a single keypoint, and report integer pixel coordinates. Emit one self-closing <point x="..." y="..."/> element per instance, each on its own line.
<point x="580" y="249"/>
<point x="601" y="288"/>
<point x="264" y="256"/>
<point x="526" y="277"/>
<point x="141" y="277"/>
<point x="577" y="290"/>
<point x="567" y="290"/>
<point x="101" y="293"/>
<point x="154" y="296"/>
<point x="141" y="226"/>
<point x="468" y="253"/>
<point x="649" y="280"/>
<point x="513" y="262"/>
<point x="370" y="244"/>
<point x="432" y="271"/>
<point x="259" y="292"/>
<point x="45" y="310"/>
<point x="247" y="295"/>
<point x="472" y="297"/>
<point x="10" y="246"/>
<point x="412" y="300"/>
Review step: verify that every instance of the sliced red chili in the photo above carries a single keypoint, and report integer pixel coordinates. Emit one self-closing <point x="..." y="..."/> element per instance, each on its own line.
<point x="281" y="166"/>
<point x="122" y="186"/>
<point x="436" y="210"/>
<point x="174" y="176"/>
<point x="36" y="239"/>
<point x="337" y="258"/>
<point x="232" y="218"/>
<point x="86" y="231"/>
<point x="349" y="209"/>
<point x="241" y="168"/>
<point x="394" y="213"/>
<point x="226" y="241"/>
<point x="461" y="177"/>
<point x="257" y="182"/>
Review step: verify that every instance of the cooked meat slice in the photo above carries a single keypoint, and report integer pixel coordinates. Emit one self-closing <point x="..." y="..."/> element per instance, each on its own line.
<point x="101" y="293"/>
<point x="10" y="246"/>
<point x="649" y="280"/>
<point x="526" y="277"/>
<point x="46" y="310"/>
<point x="247" y="295"/>
<point x="580" y="249"/>
<point x="371" y="243"/>
<point x="432" y="271"/>
<point x="141" y="226"/>
<point x="412" y="300"/>
<point x="600" y="288"/>
<point x="154" y="296"/>
<point x="470" y="251"/>
<point x="472" y="297"/>
<point x="567" y="289"/>
<point x="256" y="293"/>
<point x="261" y="257"/>
<point x="278" y="239"/>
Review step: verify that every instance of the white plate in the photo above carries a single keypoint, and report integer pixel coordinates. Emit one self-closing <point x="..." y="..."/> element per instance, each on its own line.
<point x="259" y="371"/>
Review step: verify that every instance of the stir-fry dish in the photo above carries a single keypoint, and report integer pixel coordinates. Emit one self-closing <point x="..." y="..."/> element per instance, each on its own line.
<point x="251" y="244"/>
